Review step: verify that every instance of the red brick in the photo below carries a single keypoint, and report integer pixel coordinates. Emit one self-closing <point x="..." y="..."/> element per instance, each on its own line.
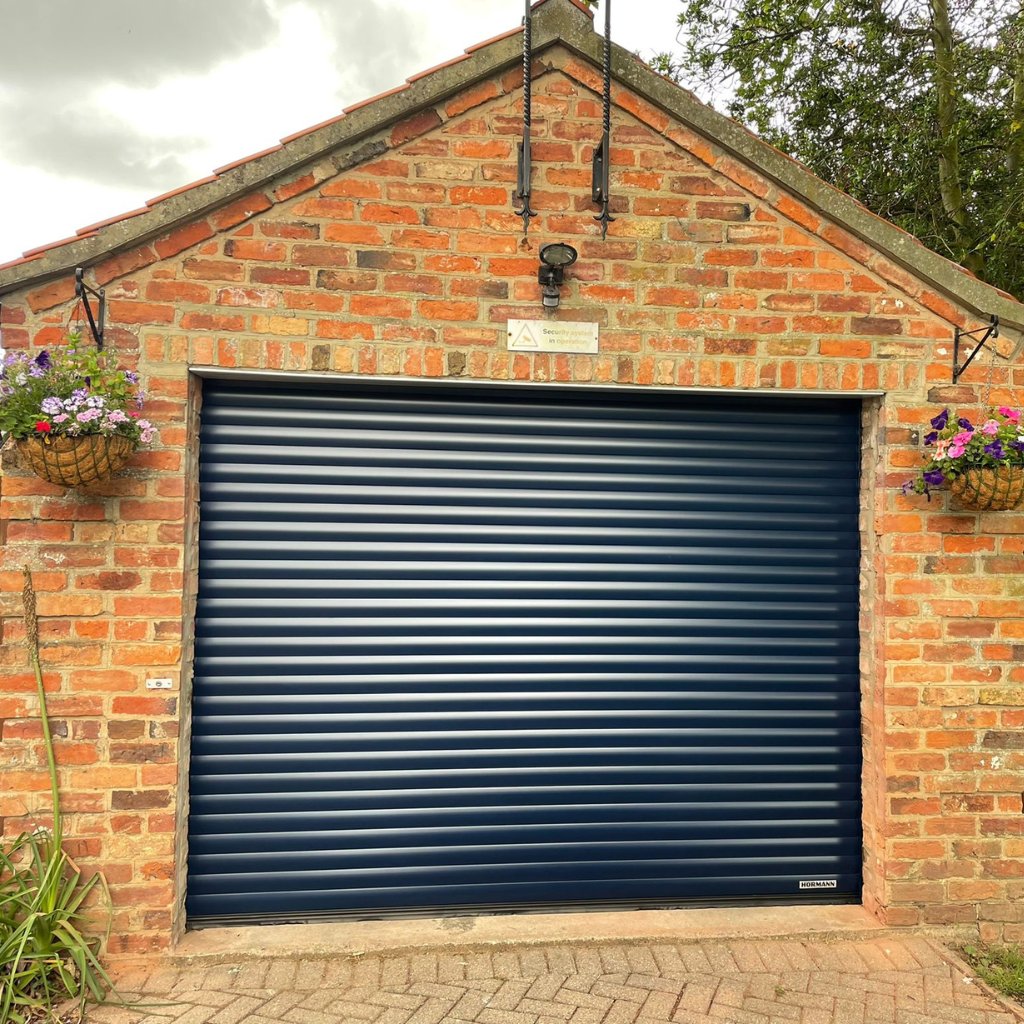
<point x="469" y="98"/>
<point x="251" y="249"/>
<point x="380" y="305"/>
<point x="414" y="126"/>
<point x="183" y="238"/>
<point x="240" y="210"/>
<point x="321" y="256"/>
<point x="213" y="270"/>
<point x="177" y="291"/>
<point x="125" y="312"/>
<point x="53" y="294"/>
<point x="211" y="322"/>
<point x="434" y="310"/>
<point x="276" y="275"/>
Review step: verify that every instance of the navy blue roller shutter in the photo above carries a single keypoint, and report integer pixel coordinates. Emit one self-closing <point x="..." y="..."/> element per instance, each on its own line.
<point x="471" y="648"/>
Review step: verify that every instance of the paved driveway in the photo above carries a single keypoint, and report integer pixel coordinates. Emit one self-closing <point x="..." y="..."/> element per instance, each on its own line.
<point x="909" y="980"/>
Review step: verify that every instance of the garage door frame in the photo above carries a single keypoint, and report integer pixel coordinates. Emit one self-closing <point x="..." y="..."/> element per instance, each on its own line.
<point x="871" y="591"/>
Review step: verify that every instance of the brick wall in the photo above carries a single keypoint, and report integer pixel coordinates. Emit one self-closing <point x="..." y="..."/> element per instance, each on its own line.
<point x="409" y="263"/>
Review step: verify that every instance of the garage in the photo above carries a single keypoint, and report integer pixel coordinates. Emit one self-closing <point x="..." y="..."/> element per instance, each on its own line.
<point x="469" y="648"/>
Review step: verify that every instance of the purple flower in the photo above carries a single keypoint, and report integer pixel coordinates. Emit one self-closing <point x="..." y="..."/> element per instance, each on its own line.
<point x="51" y="406"/>
<point x="931" y="438"/>
<point x="995" y="449"/>
<point x="934" y="477"/>
<point x="42" y="360"/>
<point x="1017" y="445"/>
<point x="965" y="423"/>
<point x="941" y="420"/>
<point x="131" y="376"/>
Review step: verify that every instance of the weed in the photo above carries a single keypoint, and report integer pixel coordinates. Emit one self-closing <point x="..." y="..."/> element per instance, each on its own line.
<point x="45" y="956"/>
<point x="1002" y="967"/>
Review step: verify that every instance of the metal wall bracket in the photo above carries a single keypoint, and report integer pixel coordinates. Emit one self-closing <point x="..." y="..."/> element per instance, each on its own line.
<point x="990" y="332"/>
<point x="83" y="291"/>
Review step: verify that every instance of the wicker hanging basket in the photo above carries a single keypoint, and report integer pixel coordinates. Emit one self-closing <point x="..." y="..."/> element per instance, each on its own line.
<point x="988" y="489"/>
<point x="74" y="461"/>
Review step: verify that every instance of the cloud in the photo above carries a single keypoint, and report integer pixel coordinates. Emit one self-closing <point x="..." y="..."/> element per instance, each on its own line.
<point x="148" y="96"/>
<point x="57" y="43"/>
<point x="81" y="143"/>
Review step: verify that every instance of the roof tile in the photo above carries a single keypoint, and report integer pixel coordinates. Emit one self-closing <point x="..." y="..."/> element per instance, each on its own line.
<point x="93" y="228"/>
<point x="373" y="99"/>
<point x="184" y="188"/>
<point x="311" y="129"/>
<point x="19" y="261"/>
<point x="438" y="67"/>
<point x="246" y="159"/>
<point x="39" y="249"/>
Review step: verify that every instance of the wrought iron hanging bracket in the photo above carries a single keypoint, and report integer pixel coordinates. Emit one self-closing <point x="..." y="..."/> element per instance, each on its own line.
<point x="524" y="169"/>
<point x="599" y="190"/>
<point x="83" y="292"/>
<point x="990" y="333"/>
<point x="523" y="184"/>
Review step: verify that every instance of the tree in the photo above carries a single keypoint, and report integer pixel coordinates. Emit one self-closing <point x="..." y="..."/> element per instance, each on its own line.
<point x="914" y="107"/>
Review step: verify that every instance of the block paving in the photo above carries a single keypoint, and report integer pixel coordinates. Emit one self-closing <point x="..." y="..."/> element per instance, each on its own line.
<point x="911" y="980"/>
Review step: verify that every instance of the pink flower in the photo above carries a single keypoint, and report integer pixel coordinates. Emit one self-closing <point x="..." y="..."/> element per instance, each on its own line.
<point x="1013" y="415"/>
<point x="963" y="437"/>
<point x="940" y="448"/>
<point x="990" y="427"/>
<point x="956" y="449"/>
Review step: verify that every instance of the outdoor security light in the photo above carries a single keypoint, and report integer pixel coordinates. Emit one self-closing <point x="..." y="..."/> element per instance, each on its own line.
<point x="554" y="258"/>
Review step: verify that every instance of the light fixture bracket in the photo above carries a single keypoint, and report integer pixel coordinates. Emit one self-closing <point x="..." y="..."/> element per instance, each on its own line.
<point x="554" y="258"/>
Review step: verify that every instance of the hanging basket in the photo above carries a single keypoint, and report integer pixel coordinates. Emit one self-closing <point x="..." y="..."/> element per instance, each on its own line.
<point x="74" y="461"/>
<point x="988" y="489"/>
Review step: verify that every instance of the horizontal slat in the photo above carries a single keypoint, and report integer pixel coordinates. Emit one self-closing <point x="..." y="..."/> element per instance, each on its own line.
<point x="474" y="647"/>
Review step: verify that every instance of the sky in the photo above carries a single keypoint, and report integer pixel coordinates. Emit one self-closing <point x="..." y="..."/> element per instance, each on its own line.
<point x="107" y="103"/>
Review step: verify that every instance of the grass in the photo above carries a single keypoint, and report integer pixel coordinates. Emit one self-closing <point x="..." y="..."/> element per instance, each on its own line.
<point x="1002" y="967"/>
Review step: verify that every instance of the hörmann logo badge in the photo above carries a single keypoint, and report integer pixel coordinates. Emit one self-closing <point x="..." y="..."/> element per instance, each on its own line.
<point x="819" y="883"/>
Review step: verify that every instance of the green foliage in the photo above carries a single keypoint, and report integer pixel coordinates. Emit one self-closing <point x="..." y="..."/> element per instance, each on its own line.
<point x="882" y="98"/>
<point x="45" y="957"/>
<point x="69" y="391"/>
<point x="958" y="445"/>
<point x="1002" y="967"/>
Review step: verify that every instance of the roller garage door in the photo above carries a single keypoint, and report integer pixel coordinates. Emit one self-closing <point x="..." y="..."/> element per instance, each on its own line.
<point x="470" y="648"/>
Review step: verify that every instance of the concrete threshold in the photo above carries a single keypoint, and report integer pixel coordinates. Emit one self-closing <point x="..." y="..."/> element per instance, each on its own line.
<point x="420" y="935"/>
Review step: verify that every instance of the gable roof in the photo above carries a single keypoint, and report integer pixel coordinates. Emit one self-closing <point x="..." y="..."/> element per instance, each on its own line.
<point x="565" y="22"/>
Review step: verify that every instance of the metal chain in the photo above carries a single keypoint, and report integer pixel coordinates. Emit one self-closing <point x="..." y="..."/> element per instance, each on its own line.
<point x="607" y="114"/>
<point x="527" y="69"/>
<point x="524" y="170"/>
